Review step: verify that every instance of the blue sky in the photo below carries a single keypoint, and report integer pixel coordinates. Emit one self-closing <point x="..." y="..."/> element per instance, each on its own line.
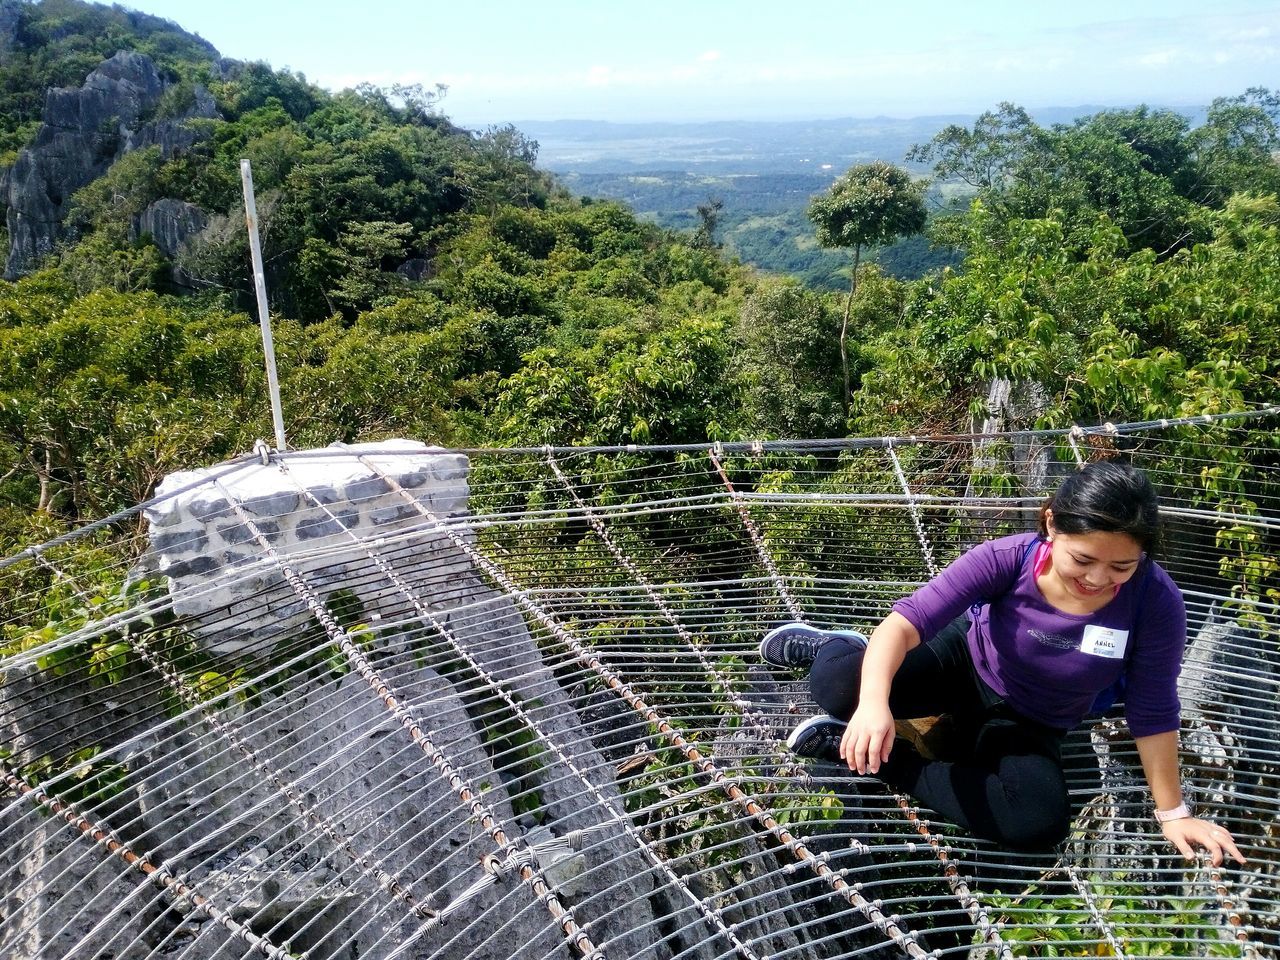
<point x="756" y="59"/>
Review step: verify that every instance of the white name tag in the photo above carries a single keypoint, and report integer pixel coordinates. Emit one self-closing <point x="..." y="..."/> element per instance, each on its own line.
<point x="1104" y="641"/>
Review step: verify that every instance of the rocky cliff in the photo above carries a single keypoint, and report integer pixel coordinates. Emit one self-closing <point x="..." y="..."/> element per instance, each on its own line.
<point x="85" y="130"/>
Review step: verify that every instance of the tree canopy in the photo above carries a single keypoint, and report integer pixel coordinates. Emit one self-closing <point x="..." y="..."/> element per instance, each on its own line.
<point x="871" y="204"/>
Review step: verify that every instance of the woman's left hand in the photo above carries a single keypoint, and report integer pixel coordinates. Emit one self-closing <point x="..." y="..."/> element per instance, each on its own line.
<point x="1191" y="832"/>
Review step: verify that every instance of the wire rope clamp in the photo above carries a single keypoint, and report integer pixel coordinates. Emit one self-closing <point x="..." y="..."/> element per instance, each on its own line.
<point x="262" y="451"/>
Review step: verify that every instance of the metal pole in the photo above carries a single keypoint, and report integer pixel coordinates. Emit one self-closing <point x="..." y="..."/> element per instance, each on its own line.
<point x="260" y="285"/>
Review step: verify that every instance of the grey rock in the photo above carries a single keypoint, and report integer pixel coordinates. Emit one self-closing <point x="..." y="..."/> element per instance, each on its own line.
<point x="1224" y="663"/>
<point x="49" y="714"/>
<point x="170" y="224"/>
<point x="207" y="505"/>
<point x="321" y="525"/>
<point x="10" y="20"/>
<point x="239" y="533"/>
<point x="180" y="540"/>
<point x="415" y="270"/>
<point x="233" y="834"/>
<point x="174" y="134"/>
<point x="386" y="515"/>
<point x="194" y="566"/>
<point x="85" y="130"/>
<point x="612" y="726"/>
<point x="413" y="478"/>
<point x="1011" y="406"/>
<point x="234" y="560"/>
<point x="325" y="494"/>
<point x="201" y="808"/>
<point x="79" y="140"/>
<point x="277" y="504"/>
<point x="449" y="466"/>
<point x="192" y="604"/>
<point x="164" y="513"/>
<point x="365" y="488"/>
<point x="226" y="68"/>
<point x="448" y="501"/>
<point x="49" y="886"/>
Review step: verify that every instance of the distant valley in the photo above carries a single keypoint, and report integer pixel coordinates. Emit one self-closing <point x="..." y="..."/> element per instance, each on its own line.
<point x="763" y="172"/>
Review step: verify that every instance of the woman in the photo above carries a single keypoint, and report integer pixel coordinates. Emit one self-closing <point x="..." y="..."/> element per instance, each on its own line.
<point x="1055" y="620"/>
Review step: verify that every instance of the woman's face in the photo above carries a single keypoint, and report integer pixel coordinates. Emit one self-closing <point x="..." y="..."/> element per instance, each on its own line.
<point x="1092" y="565"/>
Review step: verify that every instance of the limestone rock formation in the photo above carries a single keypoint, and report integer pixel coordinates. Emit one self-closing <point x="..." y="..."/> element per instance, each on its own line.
<point x="85" y="130"/>
<point x="10" y="17"/>
<point x="170" y="224"/>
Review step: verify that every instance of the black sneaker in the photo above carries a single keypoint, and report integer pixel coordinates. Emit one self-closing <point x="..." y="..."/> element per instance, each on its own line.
<point x="818" y="738"/>
<point x="797" y="644"/>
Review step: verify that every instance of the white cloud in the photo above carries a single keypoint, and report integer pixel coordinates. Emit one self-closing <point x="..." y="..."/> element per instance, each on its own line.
<point x="1159" y="58"/>
<point x="709" y="56"/>
<point x="1254" y="33"/>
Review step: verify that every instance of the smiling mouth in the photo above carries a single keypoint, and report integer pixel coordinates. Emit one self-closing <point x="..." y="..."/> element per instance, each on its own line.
<point x="1086" y="589"/>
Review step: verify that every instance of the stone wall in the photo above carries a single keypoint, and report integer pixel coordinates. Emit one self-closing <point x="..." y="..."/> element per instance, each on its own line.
<point x="316" y="513"/>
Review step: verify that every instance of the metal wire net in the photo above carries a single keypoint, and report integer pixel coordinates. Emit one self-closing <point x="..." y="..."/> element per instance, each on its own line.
<point x="508" y="703"/>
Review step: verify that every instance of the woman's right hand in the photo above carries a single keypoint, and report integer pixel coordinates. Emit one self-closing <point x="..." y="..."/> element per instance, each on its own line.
<point x="868" y="739"/>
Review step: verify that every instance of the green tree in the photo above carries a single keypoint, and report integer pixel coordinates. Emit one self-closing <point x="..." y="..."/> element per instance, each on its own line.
<point x="871" y="204"/>
<point x="985" y="157"/>
<point x="1146" y="169"/>
<point x="1110" y="333"/>
<point x="791" y="376"/>
<point x="704" y="237"/>
<point x="1236" y="146"/>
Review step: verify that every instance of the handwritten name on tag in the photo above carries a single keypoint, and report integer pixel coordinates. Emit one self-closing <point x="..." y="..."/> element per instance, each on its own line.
<point x="1104" y="641"/>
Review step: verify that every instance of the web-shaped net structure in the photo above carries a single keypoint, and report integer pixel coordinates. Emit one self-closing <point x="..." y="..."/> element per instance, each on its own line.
<point x="508" y="703"/>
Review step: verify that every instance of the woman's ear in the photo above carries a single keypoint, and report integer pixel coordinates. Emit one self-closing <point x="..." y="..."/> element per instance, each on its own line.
<point x="1048" y="525"/>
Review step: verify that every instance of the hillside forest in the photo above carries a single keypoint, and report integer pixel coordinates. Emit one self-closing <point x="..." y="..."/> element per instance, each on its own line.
<point x="432" y="282"/>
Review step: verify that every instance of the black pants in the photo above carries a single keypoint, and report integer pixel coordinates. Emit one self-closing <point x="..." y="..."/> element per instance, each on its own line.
<point x="1009" y="787"/>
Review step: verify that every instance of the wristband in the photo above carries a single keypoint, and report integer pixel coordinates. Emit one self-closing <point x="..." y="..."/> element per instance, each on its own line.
<point x="1180" y="812"/>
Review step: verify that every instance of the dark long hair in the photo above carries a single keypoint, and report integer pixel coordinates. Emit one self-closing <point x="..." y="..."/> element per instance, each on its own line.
<point x="1110" y="497"/>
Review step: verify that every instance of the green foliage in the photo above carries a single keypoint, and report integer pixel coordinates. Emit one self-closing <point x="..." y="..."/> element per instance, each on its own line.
<point x="101" y="395"/>
<point x="1145" y="170"/>
<point x="667" y="388"/>
<point x="789" y="363"/>
<point x="760" y="221"/>
<point x="1102" y="330"/>
<point x="83" y="778"/>
<point x="58" y="42"/>
<point x="87" y="592"/>
<point x="111" y="203"/>
<point x="543" y="319"/>
<point x="98" y="263"/>
<point x="1144" y="923"/>
<point x="1236" y="146"/>
<point x="870" y="204"/>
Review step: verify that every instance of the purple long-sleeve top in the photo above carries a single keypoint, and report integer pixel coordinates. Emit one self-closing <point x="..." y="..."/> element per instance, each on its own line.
<point x="1050" y="665"/>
